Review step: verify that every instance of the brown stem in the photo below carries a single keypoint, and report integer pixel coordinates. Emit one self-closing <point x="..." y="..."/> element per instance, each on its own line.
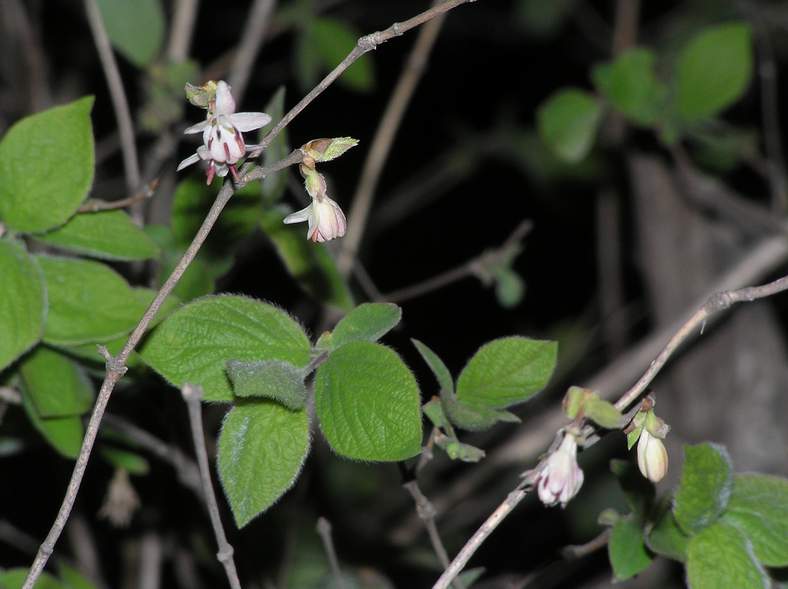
<point x="94" y="205"/>
<point x="193" y="396"/>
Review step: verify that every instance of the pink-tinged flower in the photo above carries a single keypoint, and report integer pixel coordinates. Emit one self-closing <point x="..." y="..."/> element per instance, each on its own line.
<point x="652" y="457"/>
<point x="560" y="478"/>
<point x="326" y="220"/>
<point x="222" y="134"/>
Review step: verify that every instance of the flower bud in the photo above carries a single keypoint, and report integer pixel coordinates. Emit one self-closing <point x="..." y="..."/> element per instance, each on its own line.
<point x="560" y="478"/>
<point x="652" y="457"/>
<point x="324" y="150"/>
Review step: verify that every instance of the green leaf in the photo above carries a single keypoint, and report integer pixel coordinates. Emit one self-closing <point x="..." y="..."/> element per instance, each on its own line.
<point x="199" y="278"/>
<point x="667" y="539"/>
<point x="759" y="508"/>
<point x="88" y="302"/>
<point x="719" y="557"/>
<point x="456" y="450"/>
<point x="272" y="379"/>
<point x="442" y="374"/>
<point x="714" y="70"/>
<point x="433" y="410"/>
<point x="368" y="403"/>
<point x="367" y="322"/>
<point x="63" y="433"/>
<point x="57" y="386"/>
<point x="110" y="235"/>
<point x="568" y="122"/>
<point x="603" y="413"/>
<point x="274" y="185"/>
<point x="129" y="461"/>
<point x="509" y="288"/>
<point x="72" y="579"/>
<point x="705" y="487"/>
<point x="543" y="19"/>
<point x="506" y="371"/>
<point x="473" y="418"/>
<point x="629" y="84"/>
<point x="15" y="578"/>
<point x="309" y="263"/>
<point x="262" y="448"/>
<point x="23" y="304"/>
<point x="626" y="550"/>
<point x="136" y="29"/>
<point x="195" y="343"/>
<point x="332" y="40"/>
<point x="46" y="163"/>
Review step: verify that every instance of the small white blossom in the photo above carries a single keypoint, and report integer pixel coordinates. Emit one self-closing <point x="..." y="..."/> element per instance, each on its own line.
<point x="652" y="457"/>
<point x="326" y="220"/>
<point x="222" y="134"/>
<point x="560" y="478"/>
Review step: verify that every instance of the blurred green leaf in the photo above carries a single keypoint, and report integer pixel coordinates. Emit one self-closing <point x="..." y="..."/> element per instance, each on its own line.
<point x="274" y="185"/>
<point x="543" y="19"/>
<point x="630" y="85"/>
<point x="309" y="263"/>
<point x="705" y="487"/>
<point x="57" y="385"/>
<point x="46" y="163"/>
<point x="72" y="579"/>
<point x="509" y="288"/>
<point x="626" y="550"/>
<point x="88" y="302"/>
<point x="713" y="71"/>
<point x="23" y="304"/>
<point x="506" y="371"/>
<point x="759" y="508"/>
<point x="271" y="379"/>
<point x="368" y="403"/>
<point x="719" y="557"/>
<point x="367" y="322"/>
<point x="15" y="578"/>
<point x="64" y="434"/>
<point x="262" y="447"/>
<point x="136" y="29"/>
<point x="324" y="43"/>
<point x="568" y="123"/>
<point x="110" y="235"/>
<point x="131" y="462"/>
<point x="194" y="344"/>
<point x="164" y="104"/>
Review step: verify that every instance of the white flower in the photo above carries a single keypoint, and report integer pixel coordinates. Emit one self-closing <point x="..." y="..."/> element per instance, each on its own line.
<point x="560" y="478"/>
<point x="652" y="457"/>
<point x="326" y="220"/>
<point x="222" y="138"/>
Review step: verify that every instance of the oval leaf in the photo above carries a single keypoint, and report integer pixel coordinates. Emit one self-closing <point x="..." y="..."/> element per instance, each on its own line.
<point x="368" y="403"/>
<point x="506" y="371"/>
<point x="367" y="322"/>
<point x="720" y="557"/>
<point x="272" y="379"/>
<point x="57" y="385"/>
<point x="22" y="302"/>
<point x="667" y="539"/>
<point x="333" y="40"/>
<point x="46" y="163"/>
<point x="63" y="433"/>
<point x="136" y="29"/>
<point x="759" y="508"/>
<point x="705" y="487"/>
<point x="568" y="122"/>
<point x="439" y="369"/>
<point x="110" y="235"/>
<point x="195" y="343"/>
<point x="626" y="550"/>
<point x="262" y="448"/>
<point x="714" y="70"/>
<point x="88" y="302"/>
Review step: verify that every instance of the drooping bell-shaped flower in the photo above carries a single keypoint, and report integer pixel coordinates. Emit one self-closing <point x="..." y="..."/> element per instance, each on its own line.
<point x="324" y="217"/>
<point x="652" y="457"/>
<point x="560" y="478"/>
<point x="222" y="134"/>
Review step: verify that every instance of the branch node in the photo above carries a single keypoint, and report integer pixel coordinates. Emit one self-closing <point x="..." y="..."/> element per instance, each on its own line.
<point x="369" y="42"/>
<point x="115" y="366"/>
<point x="225" y="554"/>
<point x="192" y="393"/>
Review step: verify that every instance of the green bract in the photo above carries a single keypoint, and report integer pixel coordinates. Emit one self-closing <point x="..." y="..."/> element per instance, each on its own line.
<point x="46" y="163"/>
<point x="368" y="403"/>
<point x="194" y="344"/>
<point x="262" y="448"/>
<point x="22" y="302"/>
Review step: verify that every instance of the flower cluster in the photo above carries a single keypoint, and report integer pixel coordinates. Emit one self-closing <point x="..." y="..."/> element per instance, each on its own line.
<point x="222" y="130"/>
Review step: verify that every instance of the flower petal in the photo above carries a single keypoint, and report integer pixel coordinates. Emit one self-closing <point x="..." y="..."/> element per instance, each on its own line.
<point x="299" y="216"/>
<point x="225" y="103"/>
<point x="192" y="159"/>
<point x="198" y="128"/>
<point x="249" y="121"/>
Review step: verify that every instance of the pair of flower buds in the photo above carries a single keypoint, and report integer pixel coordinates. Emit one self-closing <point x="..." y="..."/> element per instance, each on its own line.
<point x="223" y="146"/>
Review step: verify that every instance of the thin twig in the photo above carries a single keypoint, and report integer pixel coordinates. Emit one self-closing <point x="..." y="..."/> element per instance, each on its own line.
<point x="116" y="366"/>
<point x="193" y="396"/>
<point x="11" y="396"/>
<point x="383" y="139"/>
<point x="364" y="45"/>
<point x="251" y="39"/>
<point x="183" y="19"/>
<point x="715" y="304"/>
<point x="476" y="266"/>
<point x="580" y="550"/>
<point x="94" y="205"/>
<point x="119" y="101"/>
<point x="324" y="531"/>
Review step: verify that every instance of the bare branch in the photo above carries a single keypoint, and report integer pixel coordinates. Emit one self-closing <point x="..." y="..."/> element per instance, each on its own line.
<point x="94" y="205"/>
<point x="324" y="531"/>
<point x="581" y="550"/>
<point x="251" y="39"/>
<point x="193" y="396"/>
<point x="183" y="18"/>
